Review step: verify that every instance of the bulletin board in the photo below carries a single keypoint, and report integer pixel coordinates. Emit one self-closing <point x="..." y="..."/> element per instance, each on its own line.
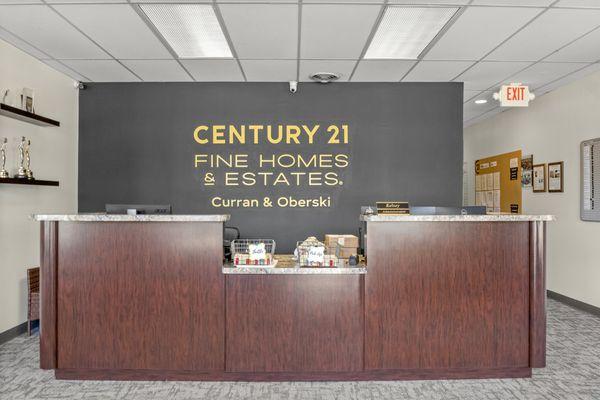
<point x="498" y="183"/>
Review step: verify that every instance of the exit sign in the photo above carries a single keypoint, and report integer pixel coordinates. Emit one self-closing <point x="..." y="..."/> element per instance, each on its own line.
<point x="514" y="95"/>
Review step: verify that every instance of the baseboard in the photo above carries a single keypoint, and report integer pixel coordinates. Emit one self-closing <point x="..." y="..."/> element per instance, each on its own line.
<point x="13" y="332"/>
<point x="580" y="305"/>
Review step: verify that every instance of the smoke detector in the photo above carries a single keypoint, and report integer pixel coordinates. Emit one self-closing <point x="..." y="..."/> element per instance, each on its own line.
<point x="324" y="77"/>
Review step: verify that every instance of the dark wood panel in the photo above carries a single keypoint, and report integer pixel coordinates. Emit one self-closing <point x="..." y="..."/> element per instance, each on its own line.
<point x="141" y="296"/>
<point x="537" y="299"/>
<point x="48" y="275"/>
<point x="294" y="323"/>
<point x="447" y="295"/>
<point x="137" y="375"/>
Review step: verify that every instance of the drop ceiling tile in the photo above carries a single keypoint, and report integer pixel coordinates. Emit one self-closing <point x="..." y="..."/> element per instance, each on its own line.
<point x="65" y="70"/>
<point x="471" y="95"/>
<point x="171" y="1"/>
<point x="534" y="3"/>
<point x="430" y="2"/>
<point x="381" y="70"/>
<point x="336" y="31"/>
<point x="270" y="70"/>
<point x="478" y="31"/>
<point x="488" y="74"/>
<point x="543" y="73"/>
<point x="26" y="47"/>
<point x="436" y="71"/>
<point x="85" y="1"/>
<point x="484" y="116"/>
<point x="343" y="1"/>
<point x="578" y="3"/>
<point x="343" y="67"/>
<point x="214" y="70"/>
<point x="101" y="70"/>
<point x="472" y="109"/>
<point x="585" y="49"/>
<point x="590" y="69"/>
<point x="128" y="35"/>
<point x="552" y="30"/>
<point x="273" y="33"/>
<point x="47" y="31"/>
<point x="158" y="70"/>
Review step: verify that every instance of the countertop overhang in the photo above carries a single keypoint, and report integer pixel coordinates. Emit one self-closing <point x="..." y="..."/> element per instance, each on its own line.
<point x="100" y="217"/>
<point x="293" y="271"/>
<point x="457" y="218"/>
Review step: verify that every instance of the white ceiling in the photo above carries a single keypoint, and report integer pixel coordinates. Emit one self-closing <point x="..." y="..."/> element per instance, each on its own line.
<point x="542" y="43"/>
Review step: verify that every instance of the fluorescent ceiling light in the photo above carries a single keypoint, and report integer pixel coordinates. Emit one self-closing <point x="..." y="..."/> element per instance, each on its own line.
<point x="192" y="30"/>
<point x="481" y="101"/>
<point x="404" y="32"/>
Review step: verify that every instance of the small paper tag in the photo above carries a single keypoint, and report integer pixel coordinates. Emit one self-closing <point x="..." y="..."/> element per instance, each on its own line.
<point x="257" y="251"/>
<point x="316" y="254"/>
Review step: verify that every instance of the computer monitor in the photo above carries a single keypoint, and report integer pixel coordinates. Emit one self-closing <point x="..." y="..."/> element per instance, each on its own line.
<point x="139" y="208"/>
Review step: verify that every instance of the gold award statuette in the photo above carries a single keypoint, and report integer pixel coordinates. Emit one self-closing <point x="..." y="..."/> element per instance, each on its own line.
<point x="3" y="171"/>
<point x="28" y="171"/>
<point x="22" y="172"/>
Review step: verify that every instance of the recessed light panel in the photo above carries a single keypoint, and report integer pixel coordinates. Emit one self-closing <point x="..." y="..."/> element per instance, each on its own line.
<point x="192" y="30"/>
<point x="404" y="32"/>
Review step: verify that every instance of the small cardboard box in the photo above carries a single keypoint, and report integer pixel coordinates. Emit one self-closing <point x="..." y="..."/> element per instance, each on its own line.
<point x="346" y="252"/>
<point x="331" y="240"/>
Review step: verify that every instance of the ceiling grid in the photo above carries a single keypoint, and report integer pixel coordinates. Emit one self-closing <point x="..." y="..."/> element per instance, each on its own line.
<point x="548" y="43"/>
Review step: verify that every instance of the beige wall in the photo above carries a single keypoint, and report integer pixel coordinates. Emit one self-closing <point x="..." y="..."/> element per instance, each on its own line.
<point x="552" y="129"/>
<point x="53" y="157"/>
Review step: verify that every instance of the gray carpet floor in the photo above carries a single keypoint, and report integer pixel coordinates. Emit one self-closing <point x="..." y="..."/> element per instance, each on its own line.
<point x="573" y="372"/>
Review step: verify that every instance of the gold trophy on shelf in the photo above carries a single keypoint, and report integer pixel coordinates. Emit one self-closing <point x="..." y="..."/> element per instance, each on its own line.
<point x="22" y="172"/>
<point x="3" y="171"/>
<point x="28" y="172"/>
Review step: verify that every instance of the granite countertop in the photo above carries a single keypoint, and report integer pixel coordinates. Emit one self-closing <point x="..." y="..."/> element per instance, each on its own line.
<point x="101" y="217"/>
<point x="457" y="218"/>
<point x="229" y="269"/>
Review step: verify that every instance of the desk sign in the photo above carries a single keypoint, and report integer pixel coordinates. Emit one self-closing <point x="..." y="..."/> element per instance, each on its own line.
<point x="257" y="251"/>
<point x="514" y="95"/>
<point x="392" y="207"/>
<point x="316" y="254"/>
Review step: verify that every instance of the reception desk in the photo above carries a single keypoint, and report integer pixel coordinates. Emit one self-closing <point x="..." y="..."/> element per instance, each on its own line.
<point x="148" y="297"/>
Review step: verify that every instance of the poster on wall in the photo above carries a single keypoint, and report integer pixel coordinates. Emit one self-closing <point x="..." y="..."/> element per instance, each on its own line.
<point x="527" y="171"/>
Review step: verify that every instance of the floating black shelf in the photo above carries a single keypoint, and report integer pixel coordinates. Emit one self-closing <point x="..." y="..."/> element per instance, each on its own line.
<point x="26" y="116"/>
<point x="23" y="181"/>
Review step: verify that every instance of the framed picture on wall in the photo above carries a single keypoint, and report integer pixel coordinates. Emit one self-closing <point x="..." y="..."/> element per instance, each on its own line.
<point x="539" y="178"/>
<point x="555" y="176"/>
<point x="526" y="171"/>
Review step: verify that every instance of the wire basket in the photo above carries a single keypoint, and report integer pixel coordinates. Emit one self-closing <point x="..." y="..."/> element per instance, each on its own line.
<point x="253" y="252"/>
<point x="308" y="254"/>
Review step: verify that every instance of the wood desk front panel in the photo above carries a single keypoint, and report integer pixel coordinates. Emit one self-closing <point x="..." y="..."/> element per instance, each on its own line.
<point x="140" y="296"/>
<point x="447" y="295"/>
<point x="294" y="323"/>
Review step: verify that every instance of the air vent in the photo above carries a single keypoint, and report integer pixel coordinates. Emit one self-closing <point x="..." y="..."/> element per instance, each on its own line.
<point x="324" y="77"/>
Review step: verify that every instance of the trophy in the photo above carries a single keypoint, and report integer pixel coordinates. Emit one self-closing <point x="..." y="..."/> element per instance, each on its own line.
<point x="3" y="171"/>
<point x="28" y="172"/>
<point x="22" y="172"/>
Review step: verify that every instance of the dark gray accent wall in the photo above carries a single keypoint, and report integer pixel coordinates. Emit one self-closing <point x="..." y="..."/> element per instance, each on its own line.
<point x="136" y="146"/>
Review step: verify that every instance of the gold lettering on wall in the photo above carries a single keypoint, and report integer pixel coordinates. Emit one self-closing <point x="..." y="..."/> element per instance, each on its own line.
<point x="315" y="165"/>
